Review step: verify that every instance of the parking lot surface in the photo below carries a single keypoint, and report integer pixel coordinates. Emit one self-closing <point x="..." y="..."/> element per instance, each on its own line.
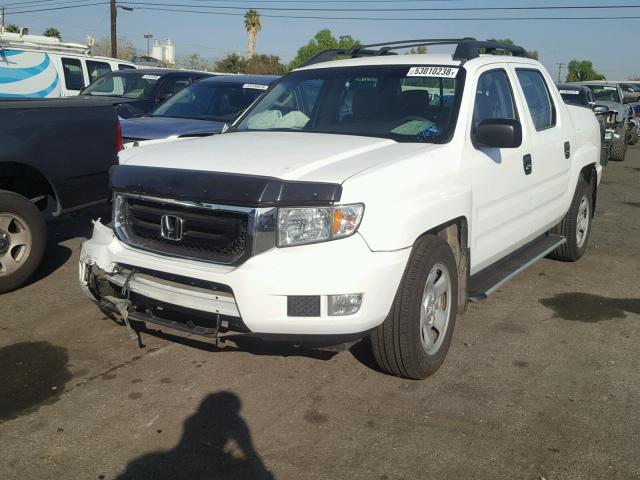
<point x="541" y="382"/>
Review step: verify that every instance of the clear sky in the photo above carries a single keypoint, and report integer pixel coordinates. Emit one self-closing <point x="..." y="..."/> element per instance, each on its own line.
<point x="612" y="45"/>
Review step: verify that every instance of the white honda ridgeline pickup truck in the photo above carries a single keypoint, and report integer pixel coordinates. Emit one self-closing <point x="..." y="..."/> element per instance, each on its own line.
<point x="371" y="196"/>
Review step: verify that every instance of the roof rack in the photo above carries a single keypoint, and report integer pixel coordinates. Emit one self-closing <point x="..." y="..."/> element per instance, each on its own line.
<point x="466" y="49"/>
<point x="36" y="42"/>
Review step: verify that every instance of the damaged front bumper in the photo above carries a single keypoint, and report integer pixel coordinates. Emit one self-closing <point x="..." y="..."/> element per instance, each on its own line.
<point x="213" y="300"/>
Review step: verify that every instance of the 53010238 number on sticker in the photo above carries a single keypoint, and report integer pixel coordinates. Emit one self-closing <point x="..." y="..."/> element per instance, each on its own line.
<point x="442" y="72"/>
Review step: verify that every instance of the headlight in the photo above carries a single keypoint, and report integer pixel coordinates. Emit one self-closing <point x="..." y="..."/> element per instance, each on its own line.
<point x="298" y="226"/>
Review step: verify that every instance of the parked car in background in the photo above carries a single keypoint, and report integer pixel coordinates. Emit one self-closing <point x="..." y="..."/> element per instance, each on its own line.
<point x="582" y="96"/>
<point x="630" y="91"/>
<point x="37" y="66"/>
<point x="610" y="95"/>
<point x="52" y="150"/>
<point x="142" y="61"/>
<point x="200" y="109"/>
<point x="136" y="92"/>
<point x="371" y="196"/>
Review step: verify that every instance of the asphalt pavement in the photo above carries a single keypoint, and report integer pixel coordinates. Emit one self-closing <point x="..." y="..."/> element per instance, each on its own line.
<point x="542" y="381"/>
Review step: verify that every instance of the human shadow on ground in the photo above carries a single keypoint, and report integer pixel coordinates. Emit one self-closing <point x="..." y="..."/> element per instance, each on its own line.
<point x="216" y="444"/>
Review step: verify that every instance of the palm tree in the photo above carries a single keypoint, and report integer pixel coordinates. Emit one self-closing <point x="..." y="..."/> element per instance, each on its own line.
<point x="253" y="25"/>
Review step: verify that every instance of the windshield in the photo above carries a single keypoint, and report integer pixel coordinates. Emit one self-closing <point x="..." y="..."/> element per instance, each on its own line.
<point x="605" y="93"/>
<point x="123" y="85"/>
<point x="221" y="102"/>
<point x="403" y="103"/>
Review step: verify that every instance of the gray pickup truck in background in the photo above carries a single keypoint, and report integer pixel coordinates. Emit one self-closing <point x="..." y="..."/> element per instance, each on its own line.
<point x="53" y="150"/>
<point x="610" y="95"/>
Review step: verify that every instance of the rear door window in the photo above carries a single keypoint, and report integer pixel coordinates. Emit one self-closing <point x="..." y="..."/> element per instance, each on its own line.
<point x="536" y="93"/>
<point x="73" y="77"/>
<point x="97" y="69"/>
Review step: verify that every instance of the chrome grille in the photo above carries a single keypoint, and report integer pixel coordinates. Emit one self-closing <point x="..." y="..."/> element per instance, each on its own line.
<point x="218" y="235"/>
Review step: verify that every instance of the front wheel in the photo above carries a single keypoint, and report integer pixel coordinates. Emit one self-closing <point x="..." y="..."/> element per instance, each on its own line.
<point x="619" y="147"/>
<point x="414" y="339"/>
<point x="22" y="240"/>
<point x="576" y="225"/>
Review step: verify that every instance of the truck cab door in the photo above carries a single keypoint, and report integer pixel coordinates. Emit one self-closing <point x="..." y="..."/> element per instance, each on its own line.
<point x="551" y="144"/>
<point x="501" y="186"/>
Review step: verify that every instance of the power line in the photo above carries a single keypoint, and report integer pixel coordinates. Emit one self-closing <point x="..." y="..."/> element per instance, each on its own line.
<point x="387" y="19"/>
<point x="253" y="2"/>
<point x="394" y="9"/>
<point x="57" y="8"/>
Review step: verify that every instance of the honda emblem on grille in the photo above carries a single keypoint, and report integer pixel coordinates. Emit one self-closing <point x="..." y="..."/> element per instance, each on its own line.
<point x="171" y="227"/>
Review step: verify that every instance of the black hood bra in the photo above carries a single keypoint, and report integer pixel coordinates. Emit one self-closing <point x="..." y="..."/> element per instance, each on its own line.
<point x="221" y="188"/>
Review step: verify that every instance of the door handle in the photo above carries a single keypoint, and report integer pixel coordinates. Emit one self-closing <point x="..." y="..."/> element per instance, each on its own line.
<point x="567" y="150"/>
<point x="527" y="164"/>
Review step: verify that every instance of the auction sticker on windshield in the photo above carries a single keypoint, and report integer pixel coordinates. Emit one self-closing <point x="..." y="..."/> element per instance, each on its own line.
<point x="570" y="92"/>
<point x="442" y="72"/>
<point x="151" y="77"/>
<point x="255" y="86"/>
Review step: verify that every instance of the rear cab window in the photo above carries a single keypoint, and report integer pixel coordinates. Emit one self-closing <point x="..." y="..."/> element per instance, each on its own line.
<point x="538" y="98"/>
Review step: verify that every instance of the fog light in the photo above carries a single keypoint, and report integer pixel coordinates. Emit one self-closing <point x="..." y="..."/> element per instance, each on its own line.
<point x="347" y="304"/>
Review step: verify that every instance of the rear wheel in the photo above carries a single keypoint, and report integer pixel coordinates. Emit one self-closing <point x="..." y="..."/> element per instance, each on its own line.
<point x="414" y="339"/>
<point x="576" y="225"/>
<point x="22" y="240"/>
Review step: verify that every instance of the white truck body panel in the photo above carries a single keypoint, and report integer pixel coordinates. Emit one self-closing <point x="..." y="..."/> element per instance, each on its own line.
<point x="407" y="189"/>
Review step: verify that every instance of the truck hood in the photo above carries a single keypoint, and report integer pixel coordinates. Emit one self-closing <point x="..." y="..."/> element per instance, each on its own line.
<point x="152" y="128"/>
<point x="286" y="155"/>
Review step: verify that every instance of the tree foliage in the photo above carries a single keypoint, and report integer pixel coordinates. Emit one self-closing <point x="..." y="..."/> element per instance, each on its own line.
<point x="256" y="65"/>
<point x="421" y="50"/>
<point x="323" y="40"/>
<point x="253" y="25"/>
<point x="194" y="62"/>
<point x="126" y="49"/>
<point x="11" y="28"/>
<point x="582" y="71"/>
<point x="52" y="32"/>
<point x="532" y="53"/>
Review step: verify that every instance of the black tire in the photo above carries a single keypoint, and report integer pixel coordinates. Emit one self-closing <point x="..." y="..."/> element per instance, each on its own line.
<point x="634" y="135"/>
<point x="397" y="343"/>
<point x="25" y="216"/>
<point x="575" y="245"/>
<point x="619" y="147"/>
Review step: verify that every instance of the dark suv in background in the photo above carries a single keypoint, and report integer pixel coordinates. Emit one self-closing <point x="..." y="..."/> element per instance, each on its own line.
<point x="137" y="92"/>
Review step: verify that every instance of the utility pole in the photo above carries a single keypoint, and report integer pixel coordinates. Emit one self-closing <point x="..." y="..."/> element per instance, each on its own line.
<point x="114" y="34"/>
<point x="1" y="19"/>
<point x="560" y="65"/>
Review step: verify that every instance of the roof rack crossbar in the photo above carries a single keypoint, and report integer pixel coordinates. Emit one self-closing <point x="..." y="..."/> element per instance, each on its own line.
<point x="466" y="49"/>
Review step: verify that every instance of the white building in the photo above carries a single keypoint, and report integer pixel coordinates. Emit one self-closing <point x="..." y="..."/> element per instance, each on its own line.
<point x="166" y="52"/>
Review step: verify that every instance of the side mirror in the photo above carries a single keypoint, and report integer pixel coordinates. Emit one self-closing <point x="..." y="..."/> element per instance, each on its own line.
<point x="600" y="109"/>
<point x="498" y="133"/>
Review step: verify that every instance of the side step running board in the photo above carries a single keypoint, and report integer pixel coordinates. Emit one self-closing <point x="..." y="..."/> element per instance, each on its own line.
<point x="487" y="281"/>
